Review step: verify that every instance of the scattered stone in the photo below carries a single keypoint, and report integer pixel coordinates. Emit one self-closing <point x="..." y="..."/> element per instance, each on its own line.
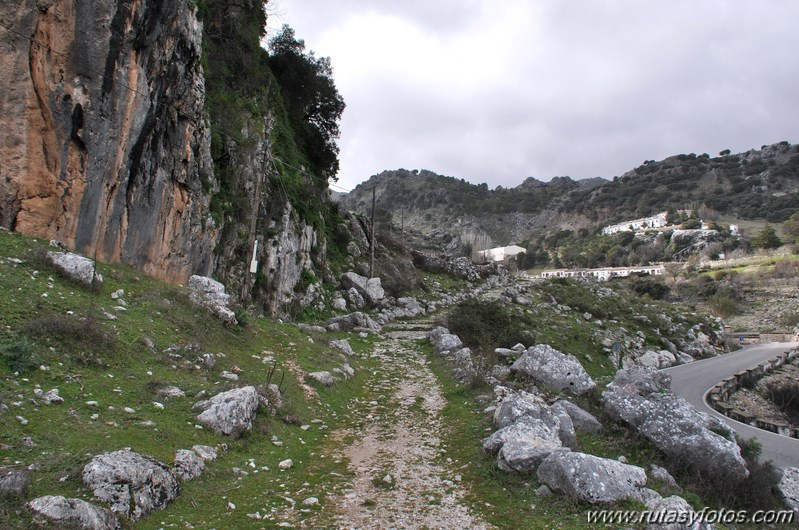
<point x="75" y="267"/>
<point x="555" y="369"/>
<point x="325" y="378"/>
<point x="661" y="474"/>
<point x="188" y="465"/>
<point x="133" y="485"/>
<point x="543" y="491"/>
<point x="211" y="294"/>
<point x="581" y="419"/>
<point x="516" y="405"/>
<point x="50" y="397"/>
<point x="13" y="483"/>
<point x="436" y="333"/>
<point x="22" y="420"/>
<point x="129" y="410"/>
<point x="672" y="510"/>
<point x="231" y="412"/>
<point x="119" y="293"/>
<point x="230" y="376"/>
<point x="591" y="478"/>
<point x="55" y="508"/>
<point x="788" y="488"/>
<point x="524" y="456"/>
<point x="369" y="288"/>
<point x="171" y="392"/>
<point x="286" y="464"/>
<point x="343" y="346"/>
<point x="447" y="343"/>
<point x="311" y="501"/>
<point x="357" y="321"/>
<point x="205" y="452"/>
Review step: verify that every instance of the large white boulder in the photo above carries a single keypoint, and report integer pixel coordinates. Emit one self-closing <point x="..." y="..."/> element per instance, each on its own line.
<point x="641" y="397"/>
<point x="132" y="484"/>
<point x="558" y="370"/>
<point x="231" y="412"/>
<point x="591" y="478"/>
<point x="369" y="288"/>
<point x="75" y="267"/>
<point x="63" y="511"/>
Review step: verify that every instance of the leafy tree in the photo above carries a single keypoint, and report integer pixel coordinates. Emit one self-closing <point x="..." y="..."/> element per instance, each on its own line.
<point x="312" y="101"/>
<point x="766" y="238"/>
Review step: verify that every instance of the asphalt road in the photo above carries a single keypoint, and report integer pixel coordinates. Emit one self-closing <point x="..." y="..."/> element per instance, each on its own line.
<point x="693" y="380"/>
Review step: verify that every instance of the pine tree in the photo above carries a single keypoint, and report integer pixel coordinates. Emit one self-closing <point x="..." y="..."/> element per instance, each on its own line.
<point x="766" y="238"/>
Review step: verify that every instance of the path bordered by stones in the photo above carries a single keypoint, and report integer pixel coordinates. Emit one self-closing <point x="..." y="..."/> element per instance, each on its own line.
<point x="402" y="477"/>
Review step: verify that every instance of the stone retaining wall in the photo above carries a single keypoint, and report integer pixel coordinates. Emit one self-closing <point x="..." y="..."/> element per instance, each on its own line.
<point x="720" y="394"/>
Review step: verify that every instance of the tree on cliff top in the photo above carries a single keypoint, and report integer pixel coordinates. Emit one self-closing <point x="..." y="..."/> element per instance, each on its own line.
<point x="312" y="101"/>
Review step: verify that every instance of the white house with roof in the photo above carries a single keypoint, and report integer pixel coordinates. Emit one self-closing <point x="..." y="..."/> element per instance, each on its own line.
<point x="637" y="225"/>
<point x="500" y="253"/>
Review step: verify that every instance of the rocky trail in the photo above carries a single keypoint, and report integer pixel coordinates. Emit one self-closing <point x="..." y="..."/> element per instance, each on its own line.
<point x="401" y="474"/>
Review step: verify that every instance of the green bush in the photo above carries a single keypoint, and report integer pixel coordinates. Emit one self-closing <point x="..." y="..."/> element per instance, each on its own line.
<point x="19" y="356"/>
<point x="655" y="289"/>
<point x="484" y="326"/>
<point x="722" y="305"/>
<point x="784" y="394"/>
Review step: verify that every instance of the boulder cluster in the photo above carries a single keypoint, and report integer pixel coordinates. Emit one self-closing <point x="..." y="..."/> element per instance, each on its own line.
<point x="133" y="485"/>
<point x="537" y="435"/>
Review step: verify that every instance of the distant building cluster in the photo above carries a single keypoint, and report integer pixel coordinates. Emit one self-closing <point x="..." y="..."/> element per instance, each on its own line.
<point x="605" y="273"/>
<point x="638" y="225"/>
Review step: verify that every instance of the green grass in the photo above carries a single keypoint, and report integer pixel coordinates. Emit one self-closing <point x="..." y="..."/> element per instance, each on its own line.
<point x="91" y="358"/>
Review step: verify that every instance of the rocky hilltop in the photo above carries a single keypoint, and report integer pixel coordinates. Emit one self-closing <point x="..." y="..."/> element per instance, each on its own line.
<point x="460" y="216"/>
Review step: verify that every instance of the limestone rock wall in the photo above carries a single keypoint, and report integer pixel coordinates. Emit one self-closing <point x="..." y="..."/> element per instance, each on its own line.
<point x="104" y="144"/>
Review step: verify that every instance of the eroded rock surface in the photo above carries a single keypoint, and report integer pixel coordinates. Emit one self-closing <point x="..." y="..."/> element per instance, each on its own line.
<point x="591" y="478"/>
<point x="642" y="398"/>
<point x="231" y="412"/>
<point x="555" y="369"/>
<point x="132" y="484"/>
<point x="59" y="509"/>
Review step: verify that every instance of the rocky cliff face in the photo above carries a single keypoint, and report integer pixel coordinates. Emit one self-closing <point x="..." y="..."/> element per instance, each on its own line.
<point x="104" y="144"/>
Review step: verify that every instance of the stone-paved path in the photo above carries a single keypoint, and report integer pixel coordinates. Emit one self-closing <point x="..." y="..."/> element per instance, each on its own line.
<point x="402" y="476"/>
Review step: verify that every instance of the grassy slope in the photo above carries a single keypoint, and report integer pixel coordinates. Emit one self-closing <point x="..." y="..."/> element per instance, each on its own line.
<point x="114" y="372"/>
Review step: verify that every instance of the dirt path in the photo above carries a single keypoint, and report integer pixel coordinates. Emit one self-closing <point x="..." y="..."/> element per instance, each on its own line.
<point x="402" y="476"/>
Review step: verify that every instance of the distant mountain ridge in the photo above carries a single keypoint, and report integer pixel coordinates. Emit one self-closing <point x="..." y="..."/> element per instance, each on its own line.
<point x="450" y="214"/>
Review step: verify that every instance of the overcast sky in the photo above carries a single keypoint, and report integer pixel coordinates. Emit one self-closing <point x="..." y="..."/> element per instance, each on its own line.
<point x="496" y="91"/>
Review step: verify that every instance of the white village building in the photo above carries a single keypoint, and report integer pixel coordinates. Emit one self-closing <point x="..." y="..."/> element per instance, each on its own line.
<point x="500" y="253"/>
<point x="604" y="274"/>
<point x="637" y="225"/>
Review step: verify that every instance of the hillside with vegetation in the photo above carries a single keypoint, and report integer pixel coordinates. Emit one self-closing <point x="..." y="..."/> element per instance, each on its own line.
<point x="85" y="371"/>
<point x="560" y="221"/>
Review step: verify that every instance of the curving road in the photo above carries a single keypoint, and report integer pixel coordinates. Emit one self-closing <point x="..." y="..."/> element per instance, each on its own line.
<point x="693" y="380"/>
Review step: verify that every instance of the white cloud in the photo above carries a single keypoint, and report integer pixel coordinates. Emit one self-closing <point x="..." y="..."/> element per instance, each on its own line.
<point x="498" y="91"/>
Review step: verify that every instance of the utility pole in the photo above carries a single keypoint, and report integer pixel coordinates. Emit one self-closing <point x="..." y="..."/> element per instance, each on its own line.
<point x="372" y="239"/>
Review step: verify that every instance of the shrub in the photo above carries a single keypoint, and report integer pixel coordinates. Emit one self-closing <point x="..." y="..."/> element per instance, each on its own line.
<point x="722" y="305"/>
<point x="784" y="394"/>
<point x="485" y="326"/>
<point x="648" y="286"/>
<point x="19" y="356"/>
<point x="84" y="338"/>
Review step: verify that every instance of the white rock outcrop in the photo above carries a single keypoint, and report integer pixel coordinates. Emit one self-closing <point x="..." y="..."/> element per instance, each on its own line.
<point x="591" y="478"/>
<point x="63" y="511"/>
<point x="132" y="484"/>
<point x="75" y="267"/>
<point x="558" y="370"/>
<point x="231" y="412"/>
<point x="211" y="294"/>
